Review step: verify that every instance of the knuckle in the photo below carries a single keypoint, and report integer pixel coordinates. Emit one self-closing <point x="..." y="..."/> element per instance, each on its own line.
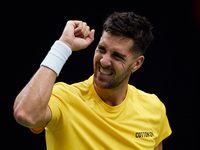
<point x="69" y="21"/>
<point x="88" y="28"/>
<point x="84" y="24"/>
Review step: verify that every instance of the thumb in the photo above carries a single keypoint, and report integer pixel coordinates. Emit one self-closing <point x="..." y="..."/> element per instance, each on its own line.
<point x="90" y="37"/>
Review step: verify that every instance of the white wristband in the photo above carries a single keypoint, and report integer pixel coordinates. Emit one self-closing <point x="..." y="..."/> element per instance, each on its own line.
<point x="57" y="57"/>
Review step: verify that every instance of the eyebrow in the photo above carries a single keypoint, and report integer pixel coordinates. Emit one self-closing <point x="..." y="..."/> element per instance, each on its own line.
<point x="101" y="47"/>
<point x="114" y="53"/>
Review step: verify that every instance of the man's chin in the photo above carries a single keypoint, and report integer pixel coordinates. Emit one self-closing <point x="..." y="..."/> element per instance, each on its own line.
<point x="99" y="83"/>
<point x="102" y="84"/>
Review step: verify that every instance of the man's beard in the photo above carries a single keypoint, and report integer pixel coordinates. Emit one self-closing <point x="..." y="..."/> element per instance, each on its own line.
<point x="115" y="82"/>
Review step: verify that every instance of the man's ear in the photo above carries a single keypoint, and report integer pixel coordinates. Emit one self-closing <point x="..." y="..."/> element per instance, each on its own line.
<point x="137" y="63"/>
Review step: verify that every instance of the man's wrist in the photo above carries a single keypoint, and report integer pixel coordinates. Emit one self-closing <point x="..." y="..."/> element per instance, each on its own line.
<point x="66" y="43"/>
<point x="57" y="57"/>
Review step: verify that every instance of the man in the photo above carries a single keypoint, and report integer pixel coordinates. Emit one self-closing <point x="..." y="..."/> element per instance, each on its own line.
<point x="103" y="112"/>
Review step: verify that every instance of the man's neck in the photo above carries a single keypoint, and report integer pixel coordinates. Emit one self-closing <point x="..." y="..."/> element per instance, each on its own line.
<point x="114" y="96"/>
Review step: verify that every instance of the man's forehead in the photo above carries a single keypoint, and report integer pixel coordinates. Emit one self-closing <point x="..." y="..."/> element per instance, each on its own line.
<point x="115" y="42"/>
<point x="109" y="35"/>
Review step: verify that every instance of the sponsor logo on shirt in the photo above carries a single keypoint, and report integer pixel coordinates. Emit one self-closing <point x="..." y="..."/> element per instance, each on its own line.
<point x="143" y="134"/>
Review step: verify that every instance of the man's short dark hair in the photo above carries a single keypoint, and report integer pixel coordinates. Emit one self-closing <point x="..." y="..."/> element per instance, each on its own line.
<point x="130" y="25"/>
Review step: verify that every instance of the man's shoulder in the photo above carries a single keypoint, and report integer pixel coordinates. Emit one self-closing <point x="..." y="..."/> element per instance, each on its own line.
<point x="137" y="92"/>
<point x="73" y="88"/>
<point x="145" y="100"/>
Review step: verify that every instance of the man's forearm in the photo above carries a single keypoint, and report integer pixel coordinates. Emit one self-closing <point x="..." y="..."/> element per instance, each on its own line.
<point x="30" y="106"/>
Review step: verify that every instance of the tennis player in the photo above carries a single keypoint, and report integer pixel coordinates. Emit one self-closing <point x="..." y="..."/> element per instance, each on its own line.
<point x="104" y="111"/>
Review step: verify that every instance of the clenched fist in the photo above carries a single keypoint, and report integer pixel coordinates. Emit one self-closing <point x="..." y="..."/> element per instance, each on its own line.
<point x="77" y="35"/>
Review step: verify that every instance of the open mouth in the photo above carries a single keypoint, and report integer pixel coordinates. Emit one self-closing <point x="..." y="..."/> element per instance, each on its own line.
<point x="105" y="72"/>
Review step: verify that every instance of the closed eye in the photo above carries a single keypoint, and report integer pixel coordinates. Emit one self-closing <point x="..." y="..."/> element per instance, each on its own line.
<point x="119" y="56"/>
<point x="102" y="49"/>
<point x="116" y="55"/>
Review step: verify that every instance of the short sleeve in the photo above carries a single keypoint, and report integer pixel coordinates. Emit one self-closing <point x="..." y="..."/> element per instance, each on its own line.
<point x="58" y="106"/>
<point x="165" y="129"/>
<point x="55" y="112"/>
<point x="54" y="105"/>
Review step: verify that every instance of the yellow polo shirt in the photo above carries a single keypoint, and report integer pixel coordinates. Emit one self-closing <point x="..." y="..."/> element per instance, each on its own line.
<point x="82" y="121"/>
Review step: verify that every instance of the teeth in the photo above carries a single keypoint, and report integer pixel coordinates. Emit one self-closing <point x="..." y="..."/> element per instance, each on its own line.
<point x="105" y="72"/>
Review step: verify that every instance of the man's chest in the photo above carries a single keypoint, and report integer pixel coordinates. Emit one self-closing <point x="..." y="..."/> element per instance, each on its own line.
<point x="128" y="130"/>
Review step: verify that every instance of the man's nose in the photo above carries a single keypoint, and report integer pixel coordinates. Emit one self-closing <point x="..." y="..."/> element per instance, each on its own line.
<point x="105" y="60"/>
